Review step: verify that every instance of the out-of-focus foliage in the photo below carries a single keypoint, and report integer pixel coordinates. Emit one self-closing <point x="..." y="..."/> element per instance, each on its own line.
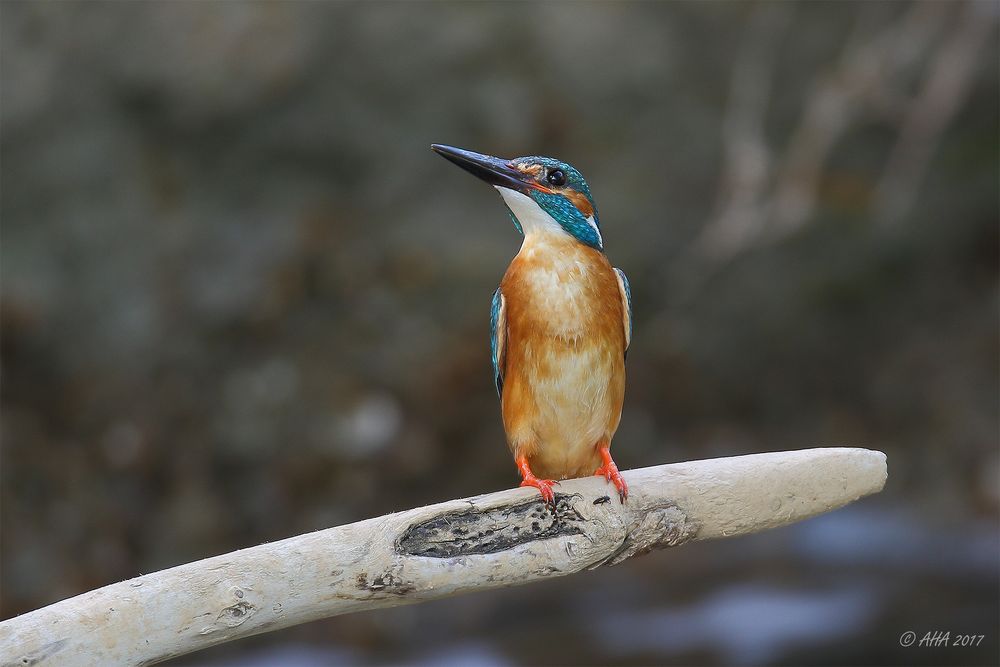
<point x="243" y="300"/>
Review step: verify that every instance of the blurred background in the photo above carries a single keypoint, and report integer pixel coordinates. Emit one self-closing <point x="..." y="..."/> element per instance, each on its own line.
<point x="242" y="300"/>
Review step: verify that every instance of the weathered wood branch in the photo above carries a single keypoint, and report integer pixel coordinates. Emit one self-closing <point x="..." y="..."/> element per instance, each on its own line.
<point x="498" y="539"/>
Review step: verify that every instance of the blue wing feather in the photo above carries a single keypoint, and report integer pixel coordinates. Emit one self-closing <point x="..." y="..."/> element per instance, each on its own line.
<point x="497" y="330"/>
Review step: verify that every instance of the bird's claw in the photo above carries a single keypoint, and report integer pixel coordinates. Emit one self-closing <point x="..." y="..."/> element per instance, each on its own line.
<point x="609" y="471"/>
<point x="545" y="487"/>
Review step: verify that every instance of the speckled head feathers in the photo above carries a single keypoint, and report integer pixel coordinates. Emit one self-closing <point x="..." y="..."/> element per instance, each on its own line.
<point x="561" y="191"/>
<point x="574" y="186"/>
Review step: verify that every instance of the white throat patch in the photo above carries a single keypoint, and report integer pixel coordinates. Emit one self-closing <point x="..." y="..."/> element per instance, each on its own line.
<point x="532" y="218"/>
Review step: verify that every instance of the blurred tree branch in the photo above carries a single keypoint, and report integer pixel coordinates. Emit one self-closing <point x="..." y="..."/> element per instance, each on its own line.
<point x="945" y="89"/>
<point x="747" y="159"/>
<point x="765" y="197"/>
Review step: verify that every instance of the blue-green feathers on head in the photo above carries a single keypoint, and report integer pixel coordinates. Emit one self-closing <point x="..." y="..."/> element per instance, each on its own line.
<point x="517" y="223"/>
<point x="563" y="193"/>
<point x="574" y="179"/>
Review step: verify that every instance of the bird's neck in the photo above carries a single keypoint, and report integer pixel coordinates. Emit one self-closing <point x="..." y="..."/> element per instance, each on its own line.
<point x="559" y="256"/>
<point x="536" y="222"/>
<point x="545" y="241"/>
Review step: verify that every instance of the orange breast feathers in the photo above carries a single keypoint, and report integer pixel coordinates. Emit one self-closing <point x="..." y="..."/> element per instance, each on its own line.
<point x="564" y="359"/>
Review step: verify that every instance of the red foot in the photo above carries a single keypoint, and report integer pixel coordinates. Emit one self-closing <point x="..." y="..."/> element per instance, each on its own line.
<point x="609" y="471"/>
<point x="543" y="485"/>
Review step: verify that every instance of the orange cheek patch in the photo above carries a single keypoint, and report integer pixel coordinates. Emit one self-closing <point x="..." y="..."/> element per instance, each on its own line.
<point x="533" y="171"/>
<point x="580" y="201"/>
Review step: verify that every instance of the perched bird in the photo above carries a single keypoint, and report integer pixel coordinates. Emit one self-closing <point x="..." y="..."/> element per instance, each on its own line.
<point x="561" y="323"/>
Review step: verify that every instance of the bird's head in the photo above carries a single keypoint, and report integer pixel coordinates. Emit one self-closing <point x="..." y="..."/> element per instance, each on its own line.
<point x="542" y="194"/>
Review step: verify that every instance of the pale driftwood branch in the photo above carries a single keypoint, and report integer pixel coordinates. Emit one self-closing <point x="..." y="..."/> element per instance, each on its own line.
<point x="498" y="539"/>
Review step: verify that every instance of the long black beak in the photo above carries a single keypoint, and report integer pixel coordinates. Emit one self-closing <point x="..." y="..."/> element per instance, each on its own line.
<point x="493" y="170"/>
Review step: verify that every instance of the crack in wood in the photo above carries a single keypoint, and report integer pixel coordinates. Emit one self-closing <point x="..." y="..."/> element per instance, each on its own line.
<point x="479" y="532"/>
<point x="386" y="583"/>
<point x="660" y="528"/>
<point x="43" y="653"/>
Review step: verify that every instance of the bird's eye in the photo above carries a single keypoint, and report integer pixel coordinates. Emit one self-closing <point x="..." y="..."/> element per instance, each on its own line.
<point x="556" y="177"/>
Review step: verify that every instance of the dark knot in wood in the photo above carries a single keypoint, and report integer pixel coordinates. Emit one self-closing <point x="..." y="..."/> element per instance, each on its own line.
<point x="475" y="532"/>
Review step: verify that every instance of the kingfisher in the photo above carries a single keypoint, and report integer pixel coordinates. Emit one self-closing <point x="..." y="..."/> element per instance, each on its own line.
<point x="560" y="324"/>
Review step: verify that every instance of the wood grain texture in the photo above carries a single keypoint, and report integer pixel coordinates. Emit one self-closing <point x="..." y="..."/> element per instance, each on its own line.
<point x="489" y="541"/>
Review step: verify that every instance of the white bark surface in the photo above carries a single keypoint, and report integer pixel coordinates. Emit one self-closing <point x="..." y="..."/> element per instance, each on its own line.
<point x="497" y="539"/>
